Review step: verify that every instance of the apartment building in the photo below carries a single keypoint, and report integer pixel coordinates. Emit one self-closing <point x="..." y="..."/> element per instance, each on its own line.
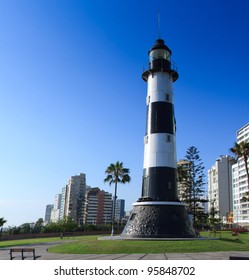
<point x="97" y="207"/>
<point x="119" y="210"/>
<point x="72" y="199"/>
<point x="49" y="209"/>
<point x="240" y="185"/>
<point x="62" y="206"/>
<point x="55" y="214"/>
<point x="220" y="187"/>
<point x="85" y="205"/>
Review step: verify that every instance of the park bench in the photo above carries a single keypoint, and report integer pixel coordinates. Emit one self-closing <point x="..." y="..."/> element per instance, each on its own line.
<point x="238" y="258"/>
<point x="22" y="251"/>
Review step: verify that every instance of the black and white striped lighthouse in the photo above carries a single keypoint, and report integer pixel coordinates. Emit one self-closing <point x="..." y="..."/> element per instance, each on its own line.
<point x="159" y="174"/>
<point x="159" y="213"/>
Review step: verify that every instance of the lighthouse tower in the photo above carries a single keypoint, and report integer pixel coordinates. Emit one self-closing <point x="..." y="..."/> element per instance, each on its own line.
<point x="159" y="174"/>
<point x="158" y="212"/>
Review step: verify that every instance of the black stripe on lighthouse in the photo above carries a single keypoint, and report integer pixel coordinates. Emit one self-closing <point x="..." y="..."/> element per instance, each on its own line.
<point x="159" y="184"/>
<point x="162" y="118"/>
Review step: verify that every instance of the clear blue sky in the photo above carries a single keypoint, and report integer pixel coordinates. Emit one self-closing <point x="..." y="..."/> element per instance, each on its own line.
<point x="72" y="98"/>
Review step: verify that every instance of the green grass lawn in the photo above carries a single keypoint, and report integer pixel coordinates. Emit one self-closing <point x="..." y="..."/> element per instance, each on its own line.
<point x="23" y="242"/>
<point x="91" y="245"/>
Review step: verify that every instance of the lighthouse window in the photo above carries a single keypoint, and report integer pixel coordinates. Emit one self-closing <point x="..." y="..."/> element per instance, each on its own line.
<point x="167" y="97"/>
<point x="168" y="138"/>
<point x="148" y="100"/>
<point x="159" y="53"/>
<point x="147" y="126"/>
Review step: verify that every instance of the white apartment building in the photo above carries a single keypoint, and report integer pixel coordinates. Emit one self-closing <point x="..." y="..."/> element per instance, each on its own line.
<point x="220" y="187"/>
<point x="55" y="214"/>
<point x="72" y="200"/>
<point x="63" y="199"/>
<point x="240" y="185"/>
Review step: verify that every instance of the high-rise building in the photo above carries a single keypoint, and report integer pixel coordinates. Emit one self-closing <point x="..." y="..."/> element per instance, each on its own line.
<point x="220" y="187"/>
<point x="107" y="212"/>
<point x="55" y="214"/>
<point x="63" y="199"/>
<point x="72" y="199"/>
<point x="48" y="212"/>
<point x="119" y="209"/>
<point x="97" y="207"/>
<point x="240" y="185"/>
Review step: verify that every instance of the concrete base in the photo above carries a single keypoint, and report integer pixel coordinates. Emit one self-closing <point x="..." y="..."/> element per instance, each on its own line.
<point x="159" y="220"/>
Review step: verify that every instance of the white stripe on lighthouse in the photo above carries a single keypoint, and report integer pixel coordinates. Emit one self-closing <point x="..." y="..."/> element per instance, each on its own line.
<point x="160" y="88"/>
<point x="159" y="150"/>
<point x="159" y="81"/>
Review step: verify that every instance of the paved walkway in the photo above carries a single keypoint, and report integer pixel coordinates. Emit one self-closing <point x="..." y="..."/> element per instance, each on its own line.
<point x="42" y="254"/>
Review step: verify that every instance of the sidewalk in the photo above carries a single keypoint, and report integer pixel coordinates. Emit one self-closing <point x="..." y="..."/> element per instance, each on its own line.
<point x="42" y="254"/>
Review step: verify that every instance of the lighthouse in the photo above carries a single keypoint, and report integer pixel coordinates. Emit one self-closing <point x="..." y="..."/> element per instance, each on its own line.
<point x="159" y="173"/>
<point x="158" y="213"/>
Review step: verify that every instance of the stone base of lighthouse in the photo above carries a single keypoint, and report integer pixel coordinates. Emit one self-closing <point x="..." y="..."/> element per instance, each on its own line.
<point x="159" y="220"/>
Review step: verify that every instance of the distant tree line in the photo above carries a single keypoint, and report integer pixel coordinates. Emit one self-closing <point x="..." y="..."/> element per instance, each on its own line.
<point x="62" y="226"/>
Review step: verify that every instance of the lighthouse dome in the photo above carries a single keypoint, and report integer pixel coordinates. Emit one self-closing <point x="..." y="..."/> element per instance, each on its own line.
<point x="159" y="44"/>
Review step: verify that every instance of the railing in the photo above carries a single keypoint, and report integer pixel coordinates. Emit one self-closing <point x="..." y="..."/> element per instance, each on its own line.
<point x="173" y="65"/>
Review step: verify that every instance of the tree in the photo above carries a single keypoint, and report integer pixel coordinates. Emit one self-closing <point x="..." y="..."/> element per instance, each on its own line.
<point x="183" y="180"/>
<point x="116" y="173"/>
<point x="53" y="227"/>
<point x="195" y="189"/>
<point x="68" y="224"/>
<point x="2" y="222"/>
<point x="241" y="150"/>
<point x="62" y="226"/>
<point x="25" y="228"/>
<point x="213" y="219"/>
<point x="182" y="174"/>
<point x="38" y="226"/>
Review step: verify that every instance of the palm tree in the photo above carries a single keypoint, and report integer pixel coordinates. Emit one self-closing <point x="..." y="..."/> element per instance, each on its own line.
<point x="242" y="150"/>
<point x="116" y="173"/>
